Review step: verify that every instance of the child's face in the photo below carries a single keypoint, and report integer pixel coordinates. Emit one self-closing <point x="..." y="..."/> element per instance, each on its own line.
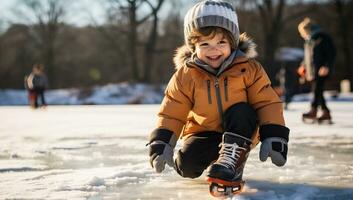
<point x="213" y="51"/>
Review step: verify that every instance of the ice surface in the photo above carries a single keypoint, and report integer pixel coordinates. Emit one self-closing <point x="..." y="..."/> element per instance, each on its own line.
<point x="99" y="152"/>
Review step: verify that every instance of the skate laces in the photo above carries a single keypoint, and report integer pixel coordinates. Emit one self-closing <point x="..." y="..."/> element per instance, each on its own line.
<point x="229" y="154"/>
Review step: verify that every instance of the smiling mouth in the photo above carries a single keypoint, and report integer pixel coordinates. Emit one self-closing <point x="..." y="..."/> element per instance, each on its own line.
<point x="214" y="58"/>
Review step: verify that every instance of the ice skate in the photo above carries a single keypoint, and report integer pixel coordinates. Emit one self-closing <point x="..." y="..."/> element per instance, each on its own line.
<point x="225" y="174"/>
<point x="310" y="117"/>
<point x="325" y="118"/>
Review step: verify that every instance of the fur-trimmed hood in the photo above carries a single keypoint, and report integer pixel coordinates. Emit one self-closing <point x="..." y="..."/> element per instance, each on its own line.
<point x="246" y="45"/>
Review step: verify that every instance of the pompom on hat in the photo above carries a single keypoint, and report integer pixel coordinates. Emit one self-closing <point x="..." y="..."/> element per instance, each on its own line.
<point x="207" y="13"/>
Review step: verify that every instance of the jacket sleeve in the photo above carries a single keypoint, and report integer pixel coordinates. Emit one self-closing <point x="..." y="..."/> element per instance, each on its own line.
<point x="262" y="97"/>
<point x="266" y="102"/>
<point x="329" y="51"/>
<point x="30" y="81"/>
<point x="176" y="104"/>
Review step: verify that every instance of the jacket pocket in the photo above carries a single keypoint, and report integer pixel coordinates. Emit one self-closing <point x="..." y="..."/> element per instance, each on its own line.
<point x="209" y="91"/>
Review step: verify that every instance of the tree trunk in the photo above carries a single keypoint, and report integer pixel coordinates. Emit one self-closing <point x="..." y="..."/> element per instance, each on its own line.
<point x="271" y="17"/>
<point x="133" y="40"/>
<point x="48" y="45"/>
<point x="150" y="49"/>
<point x="49" y="64"/>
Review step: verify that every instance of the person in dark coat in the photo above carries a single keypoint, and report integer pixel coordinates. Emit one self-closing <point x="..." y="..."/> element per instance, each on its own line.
<point x="319" y="57"/>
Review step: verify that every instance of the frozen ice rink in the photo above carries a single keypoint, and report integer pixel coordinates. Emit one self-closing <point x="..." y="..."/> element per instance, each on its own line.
<point x="99" y="152"/>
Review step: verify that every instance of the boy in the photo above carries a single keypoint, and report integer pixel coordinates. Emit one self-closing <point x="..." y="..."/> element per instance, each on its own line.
<point x="218" y="97"/>
<point x="319" y="57"/>
<point x="36" y="83"/>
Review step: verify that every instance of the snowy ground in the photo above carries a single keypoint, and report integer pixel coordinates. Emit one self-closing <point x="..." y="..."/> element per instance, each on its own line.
<point x="99" y="152"/>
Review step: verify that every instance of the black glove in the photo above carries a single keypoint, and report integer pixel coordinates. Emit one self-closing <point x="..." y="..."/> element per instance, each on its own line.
<point x="161" y="149"/>
<point x="274" y="139"/>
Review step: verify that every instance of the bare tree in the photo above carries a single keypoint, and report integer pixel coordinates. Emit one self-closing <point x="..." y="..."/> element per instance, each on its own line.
<point x="151" y="42"/>
<point x="47" y="16"/>
<point x="271" y="16"/>
<point x="132" y="8"/>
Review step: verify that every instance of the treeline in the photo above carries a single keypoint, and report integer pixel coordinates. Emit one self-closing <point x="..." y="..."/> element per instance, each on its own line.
<point x="139" y="48"/>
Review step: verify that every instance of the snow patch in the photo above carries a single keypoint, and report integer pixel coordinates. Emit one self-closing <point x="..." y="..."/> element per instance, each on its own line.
<point x="123" y="93"/>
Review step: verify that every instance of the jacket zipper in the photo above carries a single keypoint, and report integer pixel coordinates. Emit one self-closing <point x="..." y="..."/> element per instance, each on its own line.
<point x="219" y="102"/>
<point x="226" y="88"/>
<point x="209" y="92"/>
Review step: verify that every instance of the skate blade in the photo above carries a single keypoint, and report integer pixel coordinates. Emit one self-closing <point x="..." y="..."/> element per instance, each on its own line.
<point x="309" y="120"/>
<point x="222" y="191"/>
<point x="326" y="121"/>
<point x="224" y="182"/>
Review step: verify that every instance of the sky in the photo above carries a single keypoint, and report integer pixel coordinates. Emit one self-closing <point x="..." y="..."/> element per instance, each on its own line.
<point x="80" y="12"/>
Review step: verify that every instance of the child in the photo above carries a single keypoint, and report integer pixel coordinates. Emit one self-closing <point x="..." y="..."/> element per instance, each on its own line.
<point x="319" y="57"/>
<point x="36" y="83"/>
<point x="218" y="97"/>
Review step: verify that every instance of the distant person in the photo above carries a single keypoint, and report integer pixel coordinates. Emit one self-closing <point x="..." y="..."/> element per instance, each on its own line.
<point x="288" y="59"/>
<point x="37" y="83"/>
<point x="282" y="84"/>
<point x="31" y="93"/>
<point x="221" y="102"/>
<point x="319" y="56"/>
<point x="290" y="83"/>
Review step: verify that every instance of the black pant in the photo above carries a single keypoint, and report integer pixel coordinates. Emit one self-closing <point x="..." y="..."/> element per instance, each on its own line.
<point x="319" y="99"/>
<point x="39" y="94"/>
<point x="201" y="149"/>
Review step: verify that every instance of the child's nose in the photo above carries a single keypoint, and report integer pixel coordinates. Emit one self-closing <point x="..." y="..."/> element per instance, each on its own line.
<point x="213" y="47"/>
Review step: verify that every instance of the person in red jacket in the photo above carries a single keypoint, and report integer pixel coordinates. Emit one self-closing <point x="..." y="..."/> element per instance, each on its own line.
<point x="219" y="101"/>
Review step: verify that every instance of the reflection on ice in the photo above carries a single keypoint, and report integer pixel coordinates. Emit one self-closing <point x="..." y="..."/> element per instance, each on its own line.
<point x="17" y="165"/>
<point x="106" y="158"/>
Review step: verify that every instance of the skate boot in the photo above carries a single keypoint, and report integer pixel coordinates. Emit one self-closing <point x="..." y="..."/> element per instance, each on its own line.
<point x="325" y="117"/>
<point x="310" y="117"/>
<point x="225" y="174"/>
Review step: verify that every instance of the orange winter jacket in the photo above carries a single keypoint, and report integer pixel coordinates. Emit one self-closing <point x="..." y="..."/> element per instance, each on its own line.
<point x="196" y="99"/>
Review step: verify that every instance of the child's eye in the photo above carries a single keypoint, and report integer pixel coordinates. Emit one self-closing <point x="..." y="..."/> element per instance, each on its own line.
<point x="222" y="42"/>
<point x="203" y="44"/>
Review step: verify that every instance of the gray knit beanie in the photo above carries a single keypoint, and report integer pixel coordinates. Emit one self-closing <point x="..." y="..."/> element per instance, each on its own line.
<point x="211" y="13"/>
